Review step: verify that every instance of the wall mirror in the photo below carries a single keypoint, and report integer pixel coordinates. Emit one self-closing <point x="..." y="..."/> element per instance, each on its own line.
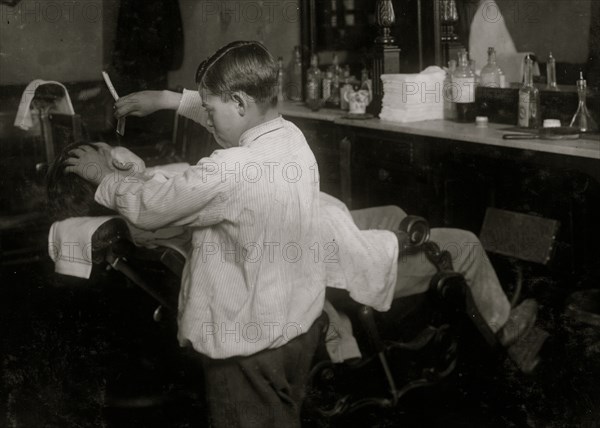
<point x="431" y="31"/>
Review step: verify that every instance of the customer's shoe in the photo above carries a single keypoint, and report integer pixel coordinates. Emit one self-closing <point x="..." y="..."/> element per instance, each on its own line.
<point x="525" y="352"/>
<point x="520" y="321"/>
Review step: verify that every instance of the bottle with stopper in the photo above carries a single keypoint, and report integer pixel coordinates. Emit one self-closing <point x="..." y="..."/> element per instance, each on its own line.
<point x="582" y="119"/>
<point x="551" y="73"/>
<point x="490" y="74"/>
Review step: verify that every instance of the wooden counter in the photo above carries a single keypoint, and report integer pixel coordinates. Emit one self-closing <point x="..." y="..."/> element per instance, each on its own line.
<point x="588" y="147"/>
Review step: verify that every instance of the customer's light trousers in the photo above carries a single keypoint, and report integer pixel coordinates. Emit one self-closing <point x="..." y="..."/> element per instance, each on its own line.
<point x="468" y="258"/>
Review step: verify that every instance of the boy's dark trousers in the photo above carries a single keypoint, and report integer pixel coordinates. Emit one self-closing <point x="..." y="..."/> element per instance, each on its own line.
<point x="265" y="389"/>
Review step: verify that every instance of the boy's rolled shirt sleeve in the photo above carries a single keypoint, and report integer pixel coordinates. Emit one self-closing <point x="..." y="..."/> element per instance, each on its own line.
<point x="190" y="107"/>
<point x="196" y="198"/>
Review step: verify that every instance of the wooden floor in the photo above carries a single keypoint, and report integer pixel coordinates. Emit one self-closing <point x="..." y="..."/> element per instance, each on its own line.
<point x="87" y="354"/>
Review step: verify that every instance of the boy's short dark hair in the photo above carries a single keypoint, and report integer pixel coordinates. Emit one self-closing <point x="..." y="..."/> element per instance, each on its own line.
<point x="240" y="66"/>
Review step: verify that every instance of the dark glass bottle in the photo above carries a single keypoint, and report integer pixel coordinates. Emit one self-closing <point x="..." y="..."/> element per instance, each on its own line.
<point x="463" y="86"/>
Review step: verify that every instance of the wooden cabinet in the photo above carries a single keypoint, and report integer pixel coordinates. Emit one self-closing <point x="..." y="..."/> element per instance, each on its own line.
<point x="324" y="140"/>
<point x="392" y="169"/>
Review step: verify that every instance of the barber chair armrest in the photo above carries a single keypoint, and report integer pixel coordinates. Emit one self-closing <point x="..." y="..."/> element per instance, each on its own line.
<point x="112" y="244"/>
<point x="115" y="235"/>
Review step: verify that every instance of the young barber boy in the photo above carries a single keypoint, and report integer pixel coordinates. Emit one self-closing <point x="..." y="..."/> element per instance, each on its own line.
<point x="251" y="295"/>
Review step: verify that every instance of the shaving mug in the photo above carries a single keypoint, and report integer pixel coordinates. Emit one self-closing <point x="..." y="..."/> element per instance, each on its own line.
<point x="357" y="101"/>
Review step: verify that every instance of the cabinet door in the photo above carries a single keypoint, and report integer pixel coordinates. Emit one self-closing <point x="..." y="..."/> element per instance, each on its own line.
<point x="392" y="170"/>
<point x="323" y="140"/>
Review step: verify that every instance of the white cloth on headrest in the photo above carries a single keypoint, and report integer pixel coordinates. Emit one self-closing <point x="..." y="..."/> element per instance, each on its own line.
<point x="24" y="120"/>
<point x="70" y="244"/>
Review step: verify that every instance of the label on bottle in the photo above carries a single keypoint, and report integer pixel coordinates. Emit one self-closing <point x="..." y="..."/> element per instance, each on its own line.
<point x="527" y="111"/>
<point x="312" y="90"/>
<point x="463" y="89"/>
<point x="524" y="110"/>
<point x="326" y="89"/>
<point x="343" y="101"/>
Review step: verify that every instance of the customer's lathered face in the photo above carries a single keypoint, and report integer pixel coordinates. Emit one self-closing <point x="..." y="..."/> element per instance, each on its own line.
<point x="224" y="118"/>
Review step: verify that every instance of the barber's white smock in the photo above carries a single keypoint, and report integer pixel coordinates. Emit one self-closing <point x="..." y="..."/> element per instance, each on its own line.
<point x="251" y="280"/>
<point x="364" y="262"/>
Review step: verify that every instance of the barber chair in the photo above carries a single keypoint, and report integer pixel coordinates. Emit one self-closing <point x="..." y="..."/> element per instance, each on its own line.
<point x="425" y="353"/>
<point x="414" y="345"/>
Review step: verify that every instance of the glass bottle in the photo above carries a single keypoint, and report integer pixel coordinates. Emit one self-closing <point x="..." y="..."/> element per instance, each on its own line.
<point x="313" y="80"/>
<point x="473" y="67"/>
<point x="502" y="78"/>
<point x="294" y="82"/>
<point x="366" y="83"/>
<point x="334" y="99"/>
<point x="551" y="73"/>
<point x="335" y="66"/>
<point x="280" y="76"/>
<point x="582" y="119"/>
<point x="463" y="88"/>
<point x="449" y="105"/>
<point x="345" y="87"/>
<point x="490" y="76"/>
<point x="326" y="85"/>
<point x="529" y="99"/>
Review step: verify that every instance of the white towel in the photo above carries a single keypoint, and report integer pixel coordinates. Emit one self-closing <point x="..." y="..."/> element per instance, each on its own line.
<point x="413" y="97"/>
<point x="24" y="120"/>
<point x="70" y="244"/>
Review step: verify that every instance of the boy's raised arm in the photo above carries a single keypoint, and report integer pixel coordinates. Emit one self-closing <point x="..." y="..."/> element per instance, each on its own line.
<point x="187" y="104"/>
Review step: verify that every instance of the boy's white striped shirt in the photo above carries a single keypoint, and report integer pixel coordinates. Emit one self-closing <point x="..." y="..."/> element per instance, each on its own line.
<point x="254" y="278"/>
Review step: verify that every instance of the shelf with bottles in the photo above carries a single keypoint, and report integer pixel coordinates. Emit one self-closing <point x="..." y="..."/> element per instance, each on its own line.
<point x="326" y="85"/>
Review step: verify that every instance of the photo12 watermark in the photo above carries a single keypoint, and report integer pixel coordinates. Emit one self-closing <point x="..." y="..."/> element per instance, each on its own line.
<point x="249" y="12"/>
<point x="53" y="12"/>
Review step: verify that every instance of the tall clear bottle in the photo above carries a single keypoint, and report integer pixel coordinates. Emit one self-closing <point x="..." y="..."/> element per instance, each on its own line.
<point x="294" y="82"/>
<point x="551" y="73"/>
<point x="529" y="99"/>
<point x="463" y="89"/>
<point x="313" y="80"/>
<point x="582" y="119"/>
<point x="490" y="74"/>
<point x="449" y="105"/>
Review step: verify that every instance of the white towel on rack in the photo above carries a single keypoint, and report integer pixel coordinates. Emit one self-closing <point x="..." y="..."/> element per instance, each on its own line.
<point x="24" y="120"/>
